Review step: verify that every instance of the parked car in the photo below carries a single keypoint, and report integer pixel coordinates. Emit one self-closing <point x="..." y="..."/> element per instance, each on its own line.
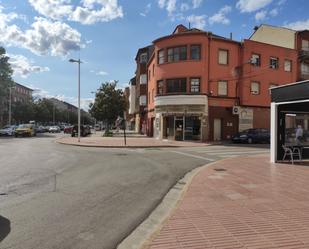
<point x="8" y="130"/>
<point x="97" y="127"/>
<point x="25" y="130"/>
<point x="54" y="129"/>
<point x="67" y="129"/>
<point x="40" y="129"/>
<point x="252" y="136"/>
<point x="84" y="130"/>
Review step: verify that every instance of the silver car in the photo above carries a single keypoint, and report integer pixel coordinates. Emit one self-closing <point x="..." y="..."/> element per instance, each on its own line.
<point x="8" y="130"/>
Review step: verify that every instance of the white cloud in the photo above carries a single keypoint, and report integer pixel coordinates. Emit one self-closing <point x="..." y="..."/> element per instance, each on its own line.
<point x="251" y="5"/>
<point x="197" y="21"/>
<point x="43" y="37"/>
<point x="87" y="13"/>
<point x="281" y="2"/>
<point x="299" y="25"/>
<point x="220" y="17"/>
<point x="147" y="10"/>
<point x="23" y="67"/>
<point x="102" y="73"/>
<point x="161" y="3"/>
<point x="274" y="12"/>
<point x="196" y="3"/>
<point x="261" y="15"/>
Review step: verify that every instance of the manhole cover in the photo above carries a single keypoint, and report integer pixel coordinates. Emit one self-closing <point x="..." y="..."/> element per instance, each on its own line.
<point x="220" y="169"/>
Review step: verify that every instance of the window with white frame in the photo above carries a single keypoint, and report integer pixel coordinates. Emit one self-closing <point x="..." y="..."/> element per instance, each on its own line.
<point x="287" y="65"/>
<point x="161" y="57"/>
<point x="305" y="45"/>
<point x="143" y="79"/>
<point x="255" y="88"/>
<point x="143" y="58"/>
<point x="223" y="56"/>
<point x="256" y="60"/>
<point x="222" y="88"/>
<point x="304" y="67"/>
<point x="274" y="63"/>
<point x="194" y="85"/>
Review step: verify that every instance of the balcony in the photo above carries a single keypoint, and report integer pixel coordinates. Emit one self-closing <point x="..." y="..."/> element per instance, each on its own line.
<point x="303" y="55"/>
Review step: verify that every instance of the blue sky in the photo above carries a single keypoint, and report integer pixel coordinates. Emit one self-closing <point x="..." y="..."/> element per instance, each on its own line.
<point x="41" y="35"/>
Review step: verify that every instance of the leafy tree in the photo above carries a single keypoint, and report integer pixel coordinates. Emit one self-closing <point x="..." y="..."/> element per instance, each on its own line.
<point x="5" y="82"/>
<point x="23" y="112"/>
<point x="109" y="103"/>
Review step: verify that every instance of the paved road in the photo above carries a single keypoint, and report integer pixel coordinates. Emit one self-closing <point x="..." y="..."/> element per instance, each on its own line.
<point x="57" y="196"/>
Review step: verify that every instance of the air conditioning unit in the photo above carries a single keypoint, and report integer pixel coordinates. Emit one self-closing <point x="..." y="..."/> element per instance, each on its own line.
<point x="236" y="110"/>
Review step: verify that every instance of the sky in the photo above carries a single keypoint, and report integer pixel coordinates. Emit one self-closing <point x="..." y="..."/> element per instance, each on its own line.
<point x="40" y="36"/>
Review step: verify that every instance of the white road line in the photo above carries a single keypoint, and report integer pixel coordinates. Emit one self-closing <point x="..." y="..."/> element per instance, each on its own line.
<point x="229" y="151"/>
<point x="236" y="153"/>
<point x="194" y="156"/>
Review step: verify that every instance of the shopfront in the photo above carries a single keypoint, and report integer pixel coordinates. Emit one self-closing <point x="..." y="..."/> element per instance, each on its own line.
<point x="290" y="119"/>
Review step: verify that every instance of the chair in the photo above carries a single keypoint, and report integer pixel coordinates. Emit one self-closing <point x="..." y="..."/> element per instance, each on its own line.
<point x="291" y="152"/>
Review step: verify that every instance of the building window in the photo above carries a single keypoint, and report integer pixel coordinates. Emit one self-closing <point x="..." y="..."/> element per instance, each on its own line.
<point x="143" y="58"/>
<point x="222" y="88"/>
<point x="255" y="88"/>
<point x="149" y="74"/>
<point x="153" y="69"/>
<point x="287" y="65"/>
<point x="223" y="57"/>
<point x="160" y="87"/>
<point x="305" y="45"/>
<point x="195" y="85"/>
<point x="152" y="92"/>
<point x="176" y="85"/>
<point x="143" y="79"/>
<point x="304" y="68"/>
<point x="195" y="52"/>
<point x="274" y="63"/>
<point x="177" y="54"/>
<point x="161" y="58"/>
<point x="256" y="60"/>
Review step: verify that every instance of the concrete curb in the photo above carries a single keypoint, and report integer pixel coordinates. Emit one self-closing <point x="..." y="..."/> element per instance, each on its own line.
<point x="146" y="231"/>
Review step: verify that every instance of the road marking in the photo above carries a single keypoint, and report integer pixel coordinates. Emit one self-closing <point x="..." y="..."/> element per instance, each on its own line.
<point x="237" y="152"/>
<point x="194" y="156"/>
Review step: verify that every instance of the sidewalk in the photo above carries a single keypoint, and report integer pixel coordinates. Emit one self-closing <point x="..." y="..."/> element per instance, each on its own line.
<point x="132" y="142"/>
<point x="241" y="203"/>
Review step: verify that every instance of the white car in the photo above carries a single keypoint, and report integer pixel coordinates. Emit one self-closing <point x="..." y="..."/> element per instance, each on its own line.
<point x="54" y="129"/>
<point x="8" y="130"/>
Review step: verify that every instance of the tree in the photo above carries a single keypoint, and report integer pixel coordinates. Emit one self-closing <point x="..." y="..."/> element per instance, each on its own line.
<point x="23" y="112"/>
<point x="109" y="103"/>
<point x="5" y="82"/>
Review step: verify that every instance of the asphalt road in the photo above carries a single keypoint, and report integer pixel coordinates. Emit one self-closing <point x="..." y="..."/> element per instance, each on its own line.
<point x="63" y="197"/>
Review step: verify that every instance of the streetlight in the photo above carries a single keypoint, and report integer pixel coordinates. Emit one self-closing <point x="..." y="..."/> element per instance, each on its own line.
<point x="79" y="62"/>
<point x="10" y="104"/>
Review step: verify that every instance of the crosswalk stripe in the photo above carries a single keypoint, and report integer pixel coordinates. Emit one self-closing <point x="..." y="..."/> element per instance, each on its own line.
<point x="194" y="156"/>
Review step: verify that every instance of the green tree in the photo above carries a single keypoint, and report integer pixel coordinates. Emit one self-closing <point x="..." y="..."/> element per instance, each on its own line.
<point x="23" y="112"/>
<point x="109" y="103"/>
<point x="5" y="82"/>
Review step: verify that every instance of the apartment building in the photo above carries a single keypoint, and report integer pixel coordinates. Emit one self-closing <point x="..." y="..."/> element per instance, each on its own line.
<point x="140" y="89"/>
<point x="21" y="93"/>
<point x="202" y="86"/>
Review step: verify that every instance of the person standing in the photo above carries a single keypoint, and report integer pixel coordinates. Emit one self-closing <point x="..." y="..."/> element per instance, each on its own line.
<point x="299" y="134"/>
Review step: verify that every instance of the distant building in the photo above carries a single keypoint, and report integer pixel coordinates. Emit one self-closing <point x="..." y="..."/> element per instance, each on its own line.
<point x="21" y="94"/>
<point x="63" y="106"/>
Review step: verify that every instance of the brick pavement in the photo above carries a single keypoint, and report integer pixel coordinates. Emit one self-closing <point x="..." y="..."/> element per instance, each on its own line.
<point x="245" y="203"/>
<point x="133" y="142"/>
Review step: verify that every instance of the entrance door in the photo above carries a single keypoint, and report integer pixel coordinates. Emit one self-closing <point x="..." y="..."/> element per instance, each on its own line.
<point x="217" y="129"/>
<point x="179" y="128"/>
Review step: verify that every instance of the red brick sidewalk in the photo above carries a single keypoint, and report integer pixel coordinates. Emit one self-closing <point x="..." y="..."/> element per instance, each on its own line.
<point x="132" y="142"/>
<point x="253" y="204"/>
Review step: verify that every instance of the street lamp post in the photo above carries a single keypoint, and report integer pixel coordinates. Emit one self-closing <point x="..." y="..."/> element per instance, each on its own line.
<point x="10" y="104"/>
<point x="78" y="62"/>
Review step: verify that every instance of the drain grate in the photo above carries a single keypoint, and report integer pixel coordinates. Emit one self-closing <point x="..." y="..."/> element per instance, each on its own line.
<point x="220" y="169"/>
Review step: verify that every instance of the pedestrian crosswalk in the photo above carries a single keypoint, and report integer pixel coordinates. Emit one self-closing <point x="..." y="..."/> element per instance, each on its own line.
<point x="213" y="153"/>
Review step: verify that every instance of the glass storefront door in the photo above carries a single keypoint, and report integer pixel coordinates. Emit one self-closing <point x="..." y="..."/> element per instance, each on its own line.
<point x="179" y="128"/>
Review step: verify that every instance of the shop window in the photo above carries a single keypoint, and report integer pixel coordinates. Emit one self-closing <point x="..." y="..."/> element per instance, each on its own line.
<point x="223" y="56"/>
<point x="287" y="65"/>
<point x="222" y="88"/>
<point x="195" y="52"/>
<point x="297" y="128"/>
<point x="177" y="54"/>
<point x="274" y="63"/>
<point x="160" y="87"/>
<point x="176" y="85"/>
<point x="255" y="88"/>
<point x="195" y="85"/>
<point x="161" y="57"/>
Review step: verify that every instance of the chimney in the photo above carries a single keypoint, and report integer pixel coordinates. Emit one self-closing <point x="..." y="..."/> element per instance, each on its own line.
<point x="231" y="36"/>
